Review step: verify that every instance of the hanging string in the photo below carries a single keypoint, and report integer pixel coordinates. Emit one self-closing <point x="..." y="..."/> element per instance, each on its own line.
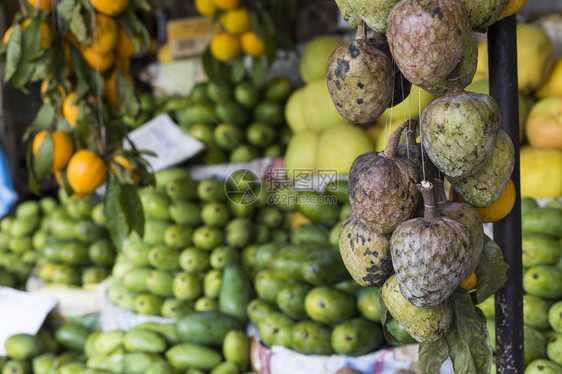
<point x="99" y="104"/>
<point x="388" y="123"/>
<point x="421" y="132"/>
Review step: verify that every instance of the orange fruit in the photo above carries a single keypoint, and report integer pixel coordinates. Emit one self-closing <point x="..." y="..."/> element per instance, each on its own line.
<point x="225" y="47"/>
<point x="127" y="165"/>
<point x="110" y="7"/>
<point x="469" y="283"/>
<point x="500" y="208"/>
<point x="206" y="7"/>
<point x="45" y="30"/>
<point x="70" y="110"/>
<point x="237" y="21"/>
<point x="298" y="219"/>
<point x="7" y="34"/>
<point x="86" y="172"/>
<point x="125" y="47"/>
<point x="45" y="5"/>
<point x="59" y="177"/>
<point x="45" y="87"/>
<point x="512" y="7"/>
<point x="227" y="4"/>
<point x="98" y="62"/>
<point x="252" y="45"/>
<point x="104" y="34"/>
<point x="63" y="147"/>
<point x="110" y="89"/>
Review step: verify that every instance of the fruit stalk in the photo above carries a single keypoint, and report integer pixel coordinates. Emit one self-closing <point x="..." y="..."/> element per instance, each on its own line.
<point x="431" y="213"/>
<point x="392" y="145"/>
<point x="439" y="193"/>
<point x="455" y="86"/>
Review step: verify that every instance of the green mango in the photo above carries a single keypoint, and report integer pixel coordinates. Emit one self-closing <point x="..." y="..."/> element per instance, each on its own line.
<point x="290" y="299"/>
<point x="270" y="111"/>
<point x="264" y="253"/>
<point x="161" y="367"/>
<point x="205" y="304"/>
<point x="17" y="367"/>
<point x="30" y="257"/>
<point x="6" y="224"/>
<point x="5" y="241"/>
<point x="267" y="285"/>
<point x="164" y="258"/>
<point x="208" y="328"/>
<point x="357" y="337"/>
<point x="75" y="253"/>
<point x="534" y="344"/>
<point x="135" y="279"/>
<point x="535" y="312"/>
<point x="236" y="349"/>
<point x="555" y="316"/>
<point x="399" y="332"/>
<point x="338" y="188"/>
<point x="136" y="252"/>
<point x="215" y="214"/>
<point x="185" y="356"/>
<point x="232" y="112"/>
<point x="311" y="338"/>
<point x="210" y="190"/>
<point x="262" y="234"/>
<point x="46" y="270"/>
<point x="23" y="346"/>
<point x="28" y="209"/>
<point x="219" y="91"/>
<point x="72" y="336"/>
<point x="208" y="237"/>
<point x="81" y="208"/>
<point x="47" y="204"/>
<point x="87" y="231"/>
<point x="227" y="136"/>
<point x="102" y="252"/>
<point x="115" y="361"/>
<point x="259" y="310"/>
<point x="335" y="234"/>
<point x="528" y="204"/>
<point x="89" y="344"/>
<point x="122" y="266"/>
<point x="20" y="244"/>
<point x="222" y="256"/>
<point x="178" y="236"/>
<point x="212" y="283"/>
<point x="185" y="213"/>
<point x="94" y="275"/>
<point x="174" y="308"/>
<point x="139" y="362"/>
<point x="271" y="217"/>
<point x="328" y="305"/>
<point x="543" y="281"/>
<point x="540" y="250"/>
<point x="108" y="342"/>
<point x="368" y="303"/>
<point x="144" y="341"/>
<point x="159" y="283"/>
<point x="286" y="263"/>
<point x="51" y="345"/>
<point x="240" y="208"/>
<point x="66" y="274"/>
<point x="148" y="304"/>
<point x="349" y="286"/>
<point x="275" y="329"/>
<point x="323" y="267"/>
<point x="43" y="364"/>
<point x="317" y="209"/>
<point x="226" y="367"/>
<point x="543" y="366"/>
<point x="235" y="292"/>
<point x="544" y="221"/>
<point x="249" y="259"/>
<point x="554" y="348"/>
<point x="194" y="260"/>
<point x="488" y="307"/>
<point x="182" y="189"/>
<point x="156" y="205"/>
<point x="122" y="297"/>
<point x="187" y="286"/>
<point x="24" y="226"/>
<point x="554" y="204"/>
<point x="166" y="176"/>
<point x="62" y="228"/>
<point x="167" y="330"/>
<point x="98" y="363"/>
<point x="154" y="231"/>
<point x="240" y="233"/>
<point x="98" y="215"/>
<point x="310" y="234"/>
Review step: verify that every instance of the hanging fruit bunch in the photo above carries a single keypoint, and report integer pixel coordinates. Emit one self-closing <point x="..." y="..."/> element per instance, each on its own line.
<point x="80" y="50"/>
<point x="429" y="254"/>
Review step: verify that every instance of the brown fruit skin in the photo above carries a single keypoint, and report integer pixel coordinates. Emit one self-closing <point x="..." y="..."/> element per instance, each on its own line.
<point x="366" y="254"/>
<point x="426" y="38"/>
<point x="360" y="81"/>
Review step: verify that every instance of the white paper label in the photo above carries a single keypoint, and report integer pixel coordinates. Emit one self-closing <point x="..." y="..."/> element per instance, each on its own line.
<point x="22" y="313"/>
<point x="163" y="137"/>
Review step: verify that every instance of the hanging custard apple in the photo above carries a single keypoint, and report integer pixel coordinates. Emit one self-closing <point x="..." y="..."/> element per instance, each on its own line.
<point x="425" y="325"/>
<point x="427" y="38"/>
<point x="374" y="12"/>
<point x="360" y="81"/>
<point x="431" y="255"/>
<point x="349" y="14"/>
<point x="382" y="187"/>
<point x="484" y="187"/>
<point x="464" y="214"/>
<point x="483" y="13"/>
<point x="366" y="254"/>
<point x="412" y="150"/>
<point x="459" y="130"/>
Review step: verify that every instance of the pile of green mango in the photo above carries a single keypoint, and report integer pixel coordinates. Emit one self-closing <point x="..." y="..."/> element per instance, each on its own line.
<point x="542" y="282"/>
<point x="193" y="232"/>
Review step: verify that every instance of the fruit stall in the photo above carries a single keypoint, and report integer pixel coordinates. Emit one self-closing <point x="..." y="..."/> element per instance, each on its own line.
<point x="281" y="187"/>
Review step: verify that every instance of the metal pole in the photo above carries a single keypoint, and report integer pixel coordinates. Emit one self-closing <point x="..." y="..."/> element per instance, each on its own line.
<point x="502" y="52"/>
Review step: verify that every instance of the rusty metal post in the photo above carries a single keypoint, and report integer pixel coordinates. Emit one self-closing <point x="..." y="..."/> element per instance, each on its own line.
<point x="502" y="52"/>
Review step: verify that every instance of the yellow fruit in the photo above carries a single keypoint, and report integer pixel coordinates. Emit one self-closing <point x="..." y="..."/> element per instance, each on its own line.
<point x="374" y="132"/>
<point x="512" y="7"/>
<point x="298" y="219"/>
<point x="59" y="177"/>
<point x="45" y="5"/>
<point x="7" y="34"/>
<point x="227" y="4"/>
<point x="63" y="147"/>
<point x="127" y="165"/>
<point x="98" y="62"/>
<point x="45" y="30"/>
<point x="86" y="171"/>
<point x="544" y="124"/>
<point x="225" y="47"/>
<point x="206" y="7"/>
<point x="68" y="57"/>
<point x="541" y="173"/>
<point x="110" y="7"/>
<point x="104" y="35"/>
<point x="125" y="47"/>
<point x="469" y="283"/>
<point x="164" y="55"/>
<point x="500" y="209"/>
<point x="315" y="57"/>
<point x="553" y="84"/>
<point x="110" y="89"/>
<point x="45" y="87"/>
<point x="237" y="21"/>
<point x="252" y="45"/>
<point x="70" y="110"/>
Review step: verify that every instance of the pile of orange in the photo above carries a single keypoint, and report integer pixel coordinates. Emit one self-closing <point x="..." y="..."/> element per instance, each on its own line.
<point x="237" y="36"/>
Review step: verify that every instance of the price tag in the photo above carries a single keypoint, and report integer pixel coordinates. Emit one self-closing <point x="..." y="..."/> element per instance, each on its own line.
<point x="22" y="313"/>
<point x="163" y="137"/>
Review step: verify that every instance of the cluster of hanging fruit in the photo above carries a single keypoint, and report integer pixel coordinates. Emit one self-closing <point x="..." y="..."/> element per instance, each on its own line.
<point x="404" y="235"/>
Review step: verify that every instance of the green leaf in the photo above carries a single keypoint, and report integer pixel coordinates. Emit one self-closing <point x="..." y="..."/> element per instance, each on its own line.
<point x="491" y="272"/>
<point x="432" y="356"/>
<point x="64" y="9"/>
<point x="258" y="71"/>
<point x="44" y="65"/>
<point x="30" y="49"/>
<point x="128" y="101"/>
<point x="270" y="50"/>
<point x="133" y="209"/>
<point x="467" y="337"/>
<point x="13" y="53"/>
<point x="43" y="159"/>
<point x="238" y="70"/>
<point x="29" y="163"/>
<point x="42" y="121"/>
<point x="208" y="64"/>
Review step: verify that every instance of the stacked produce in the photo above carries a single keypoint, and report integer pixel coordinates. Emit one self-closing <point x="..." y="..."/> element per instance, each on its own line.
<point x="192" y="234"/>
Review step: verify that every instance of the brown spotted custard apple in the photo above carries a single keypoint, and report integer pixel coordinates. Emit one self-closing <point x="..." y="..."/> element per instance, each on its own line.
<point x="431" y="255"/>
<point x="365" y="253"/>
<point x="382" y="187"/>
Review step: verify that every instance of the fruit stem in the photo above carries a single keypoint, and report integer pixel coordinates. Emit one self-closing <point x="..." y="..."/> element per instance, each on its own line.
<point x="454" y="81"/>
<point x="393" y="141"/>
<point x="411" y="133"/>
<point x="439" y="193"/>
<point x="361" y="33"/>
<point x="431" y="212"/>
